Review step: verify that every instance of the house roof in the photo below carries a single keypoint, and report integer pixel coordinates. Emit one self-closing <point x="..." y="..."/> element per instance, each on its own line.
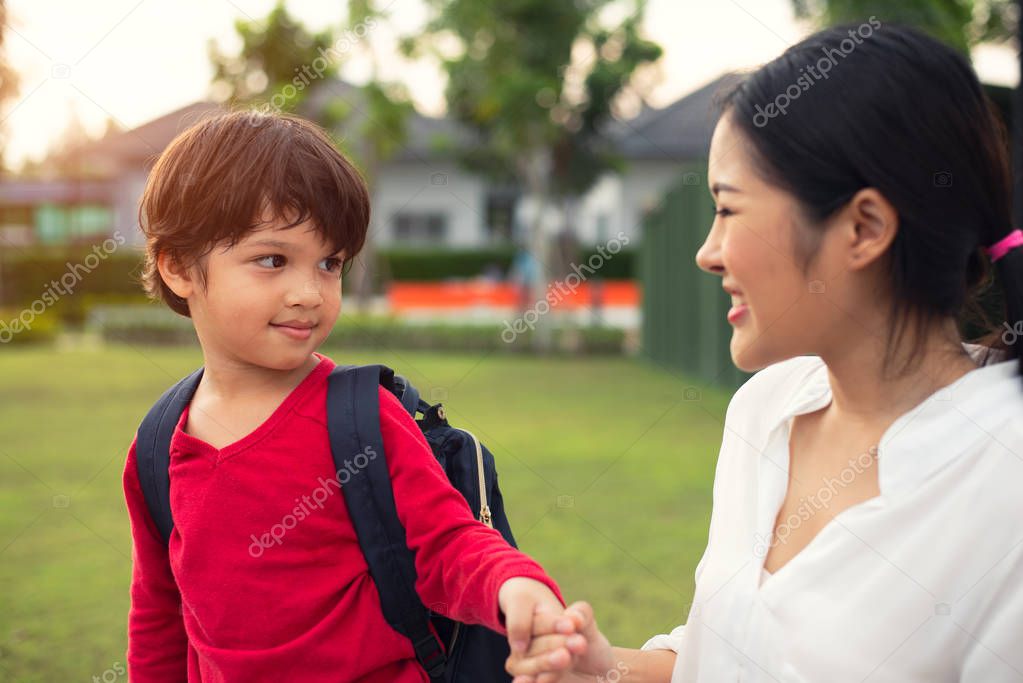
<point x="138" y="147"/>
<point x="427" y="137"/>
<point x="678" y="132"/>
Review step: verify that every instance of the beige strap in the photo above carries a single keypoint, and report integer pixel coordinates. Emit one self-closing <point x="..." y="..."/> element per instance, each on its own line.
<point x="484" y="506"/>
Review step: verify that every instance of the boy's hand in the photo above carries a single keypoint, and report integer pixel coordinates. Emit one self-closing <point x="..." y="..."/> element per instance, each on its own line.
<point x="568" y="644"/>
<point x="523" y="601"/>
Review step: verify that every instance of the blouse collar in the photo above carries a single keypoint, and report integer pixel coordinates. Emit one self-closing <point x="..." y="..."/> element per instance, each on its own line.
<point x="981" y="406"/>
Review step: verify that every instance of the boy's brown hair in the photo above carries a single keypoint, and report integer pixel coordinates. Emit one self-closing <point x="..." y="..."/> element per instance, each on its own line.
<point x="224" y="176"/>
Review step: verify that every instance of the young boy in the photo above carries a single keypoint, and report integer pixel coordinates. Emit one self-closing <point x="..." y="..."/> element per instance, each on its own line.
<point x="249" y="219"/>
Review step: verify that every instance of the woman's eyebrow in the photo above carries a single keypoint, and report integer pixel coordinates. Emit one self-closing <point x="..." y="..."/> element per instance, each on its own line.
<point x="722" y="187"/>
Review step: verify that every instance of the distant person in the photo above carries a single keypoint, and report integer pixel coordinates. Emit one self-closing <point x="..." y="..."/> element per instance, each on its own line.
<point x="867" y="499"/>
<point x="524" y="273"/>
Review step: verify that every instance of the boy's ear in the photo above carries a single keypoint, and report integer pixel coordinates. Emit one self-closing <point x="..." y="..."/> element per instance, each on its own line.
<point x="177" y="278"/>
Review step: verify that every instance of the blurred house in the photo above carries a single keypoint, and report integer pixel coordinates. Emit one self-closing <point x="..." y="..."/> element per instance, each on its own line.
<point x="422" y="195"/>
<point x="91" y="191"/>
<point x="654" y="145"/>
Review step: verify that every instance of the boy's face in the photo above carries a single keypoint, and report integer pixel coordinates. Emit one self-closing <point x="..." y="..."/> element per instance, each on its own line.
<point x="269" y="300"/>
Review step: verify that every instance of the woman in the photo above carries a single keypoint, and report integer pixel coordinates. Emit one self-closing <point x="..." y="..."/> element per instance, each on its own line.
<point x="869" y="490"/>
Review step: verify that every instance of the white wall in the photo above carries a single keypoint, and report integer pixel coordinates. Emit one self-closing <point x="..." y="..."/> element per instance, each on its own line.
<point x="126" y="206"/>
<point x="643" y="186"/>
<point x="618" y="200"/>
<point x="431" y="187"/>
<point x="622" y="200"/>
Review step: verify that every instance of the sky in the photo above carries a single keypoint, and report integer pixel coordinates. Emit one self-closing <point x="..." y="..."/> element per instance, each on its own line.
<point x="135" y="60"/>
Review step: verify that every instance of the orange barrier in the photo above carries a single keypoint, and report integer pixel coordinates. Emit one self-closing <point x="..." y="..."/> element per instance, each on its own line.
<point x="477" y="293"/>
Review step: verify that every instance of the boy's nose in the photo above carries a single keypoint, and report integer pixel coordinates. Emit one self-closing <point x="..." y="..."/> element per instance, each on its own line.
<point x="306" y="293"/>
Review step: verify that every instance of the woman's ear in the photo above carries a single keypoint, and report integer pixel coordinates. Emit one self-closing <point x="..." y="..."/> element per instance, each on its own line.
<point x="177" y="278"/>
<point x="873" y="223"/>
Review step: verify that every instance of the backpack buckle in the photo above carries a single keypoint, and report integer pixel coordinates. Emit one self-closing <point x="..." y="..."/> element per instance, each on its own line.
<point x="431" y="655"/>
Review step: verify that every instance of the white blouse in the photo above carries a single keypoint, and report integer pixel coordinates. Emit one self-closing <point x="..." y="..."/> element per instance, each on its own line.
<point x="922" y="583"/>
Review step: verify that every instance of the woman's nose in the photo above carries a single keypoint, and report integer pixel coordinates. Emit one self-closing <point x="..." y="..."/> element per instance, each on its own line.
<point x="708" y="258"/>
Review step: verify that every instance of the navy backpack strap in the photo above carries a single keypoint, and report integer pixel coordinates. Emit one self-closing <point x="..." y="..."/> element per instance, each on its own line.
<point x="407" y="394"/>
<point x="152" y="450"/>
<point x="353" y="421"/>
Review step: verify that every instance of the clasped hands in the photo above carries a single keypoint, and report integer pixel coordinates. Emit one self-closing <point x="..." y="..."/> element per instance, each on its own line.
<point x="564" y="645"/>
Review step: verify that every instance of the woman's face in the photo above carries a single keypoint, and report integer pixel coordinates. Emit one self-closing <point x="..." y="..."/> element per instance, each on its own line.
<point x="754" y="244"/>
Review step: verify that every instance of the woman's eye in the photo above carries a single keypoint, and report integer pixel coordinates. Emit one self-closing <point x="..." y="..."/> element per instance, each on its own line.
<point x="723" y="212"/>
<point x="273" y="261"/>
<point x="331" y="264"/>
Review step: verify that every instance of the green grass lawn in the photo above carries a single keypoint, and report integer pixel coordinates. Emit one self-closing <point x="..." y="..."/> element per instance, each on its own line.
<point x="606" y="466"/>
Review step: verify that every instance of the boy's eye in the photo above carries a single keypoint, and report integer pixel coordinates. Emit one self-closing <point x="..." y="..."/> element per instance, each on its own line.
<point x="272" y="261"/>
<point x="723" y="212"/>
<point x="331" y="264"/>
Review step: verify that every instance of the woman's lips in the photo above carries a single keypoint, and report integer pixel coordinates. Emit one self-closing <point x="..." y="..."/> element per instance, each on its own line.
<point x="737" y="313"/>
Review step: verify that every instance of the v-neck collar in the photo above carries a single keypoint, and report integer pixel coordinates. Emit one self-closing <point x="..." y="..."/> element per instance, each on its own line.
<point x="185" y="442"/>
<point x="928" y="436"/>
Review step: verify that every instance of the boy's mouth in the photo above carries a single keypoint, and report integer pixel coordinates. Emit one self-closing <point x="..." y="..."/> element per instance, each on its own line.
<point x="296" y="329"/>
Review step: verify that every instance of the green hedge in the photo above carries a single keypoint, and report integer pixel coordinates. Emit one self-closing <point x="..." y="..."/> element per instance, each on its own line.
<point x="151" y="324"/>
<point x="441" y="264"/>
<point x="29" y="274"/>
<point x="26" y="326"/>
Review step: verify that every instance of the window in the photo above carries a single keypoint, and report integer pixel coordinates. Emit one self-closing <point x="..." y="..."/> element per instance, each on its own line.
<point x="501" y="214"/>
<point x="420" y="227"/>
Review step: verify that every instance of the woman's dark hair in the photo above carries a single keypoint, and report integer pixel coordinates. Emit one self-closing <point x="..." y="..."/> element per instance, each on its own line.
<point x="888" y="107"/>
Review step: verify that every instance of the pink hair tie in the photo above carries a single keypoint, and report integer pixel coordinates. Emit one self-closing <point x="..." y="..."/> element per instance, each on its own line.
<point x="1005" y="245"/>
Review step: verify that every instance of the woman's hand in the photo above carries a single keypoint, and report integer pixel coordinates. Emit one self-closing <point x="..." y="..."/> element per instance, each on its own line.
<point x="570" y="643"/>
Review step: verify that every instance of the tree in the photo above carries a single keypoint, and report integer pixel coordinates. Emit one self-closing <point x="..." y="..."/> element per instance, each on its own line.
<point x="8" y="89"/>
<point x="276" y="57"/>
<point x="960" y="23"/>
<point x="281" y="64"/>
<point x="8" y="77"/>
<point x="537" y="80"/>
<point x="377" y="119"/>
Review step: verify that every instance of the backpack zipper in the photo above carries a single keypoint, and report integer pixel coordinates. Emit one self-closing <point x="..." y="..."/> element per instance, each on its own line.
<point x="485" y="517"/>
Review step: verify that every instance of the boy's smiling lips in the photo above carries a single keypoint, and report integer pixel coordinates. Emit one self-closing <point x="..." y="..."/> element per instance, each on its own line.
<point x="299" y="324"/>
<point x="296" y="329"/>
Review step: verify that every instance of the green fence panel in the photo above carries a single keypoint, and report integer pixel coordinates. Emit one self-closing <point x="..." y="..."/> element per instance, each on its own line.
<point x="684" y="309"/>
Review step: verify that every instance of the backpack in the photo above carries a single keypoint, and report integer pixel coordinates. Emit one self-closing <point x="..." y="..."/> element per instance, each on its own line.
<point x="449" y="651"/>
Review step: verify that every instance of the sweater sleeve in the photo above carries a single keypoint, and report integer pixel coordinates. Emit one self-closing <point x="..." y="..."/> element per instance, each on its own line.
<point x="460" y="562"/>
<point x="157" y="644"/>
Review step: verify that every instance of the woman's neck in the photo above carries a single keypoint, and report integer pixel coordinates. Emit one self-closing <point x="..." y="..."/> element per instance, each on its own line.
<point x="864" y="393"/>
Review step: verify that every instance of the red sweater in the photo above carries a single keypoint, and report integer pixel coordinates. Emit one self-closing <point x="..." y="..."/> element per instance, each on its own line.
<point x="227" y="602"/>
